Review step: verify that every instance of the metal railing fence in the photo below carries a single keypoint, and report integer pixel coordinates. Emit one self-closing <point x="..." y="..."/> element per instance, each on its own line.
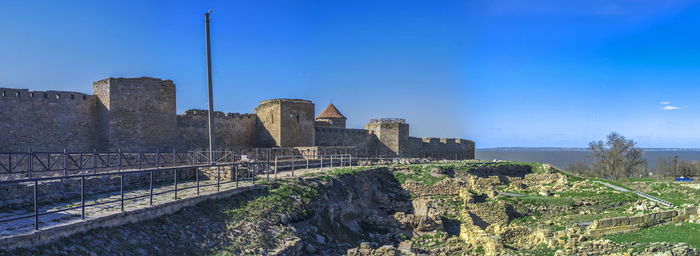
<point x="238" y="172"/>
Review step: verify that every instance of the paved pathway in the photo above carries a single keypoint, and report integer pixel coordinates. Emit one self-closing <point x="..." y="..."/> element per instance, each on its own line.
<point x="511" y="194"/>
<point x="618" y="188"/>
<point x="161" y="196"/>
<point x="644" y="195"/>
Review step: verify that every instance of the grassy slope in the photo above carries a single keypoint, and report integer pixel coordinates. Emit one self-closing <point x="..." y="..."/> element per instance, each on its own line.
<point x="667" y="190"/>
<point x="685" y="233"/>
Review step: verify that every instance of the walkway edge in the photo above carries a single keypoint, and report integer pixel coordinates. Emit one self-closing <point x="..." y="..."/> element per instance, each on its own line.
<point x="45" y="236"/>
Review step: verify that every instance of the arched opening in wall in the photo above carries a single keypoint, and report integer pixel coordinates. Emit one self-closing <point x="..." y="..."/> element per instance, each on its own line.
<point x="272" y="118"/>
<point x="297" y="118"/>
<point x="46" y="95"/>
<point x="72" y="97"/>
<point x="84" y="97"/>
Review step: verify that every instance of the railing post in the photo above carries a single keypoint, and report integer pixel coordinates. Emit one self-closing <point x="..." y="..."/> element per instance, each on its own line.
<point x="138" y="159"/>
<point x="341" y="161"/>
<point x="119" y="158"/>
<point x="94" y="161"/>
<point x="267" y="170"/>
<point x="121" y="189"/>
<point x="275" y="167"/>
<point x="82" y="197"/>
<point x="218" y="178"/>
<point x="350" y="160"/>
<point x="65" y="162"/>
<point x="175" y="181"/>
<point x="307" y="162"/>
<point x="150" y="179"/>
<point x="36" y="205"/>
<point x="48" y="161"/>
<point x="236" y="174"/>
<point x="293" y="161"/>
<point x="331" y="161"/>
<point x="175" y="171"/>
<point x="196" y="175"/>
<point x="30" y="165"/>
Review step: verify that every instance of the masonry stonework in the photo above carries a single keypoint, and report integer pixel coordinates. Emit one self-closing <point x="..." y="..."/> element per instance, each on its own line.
<point x="233" y="130"/>
<point x="393" y="133"/>
<point x="288" y="122"/>
<point x="139" y="114"/>
<point x="136" y="113"/>
<point x="50" y="120"/>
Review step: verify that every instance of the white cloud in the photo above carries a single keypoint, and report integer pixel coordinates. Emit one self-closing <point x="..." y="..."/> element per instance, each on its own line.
<point x="669" y="108"/>
<point x="665" y="102"/>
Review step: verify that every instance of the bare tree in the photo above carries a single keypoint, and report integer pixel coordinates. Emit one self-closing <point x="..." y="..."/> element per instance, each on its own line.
<point x="580" y="168"/>
<point x="617" y="157"/>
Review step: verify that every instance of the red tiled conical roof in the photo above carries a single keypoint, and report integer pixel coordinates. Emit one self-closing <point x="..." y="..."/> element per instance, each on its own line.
<point x="331" y="112"/>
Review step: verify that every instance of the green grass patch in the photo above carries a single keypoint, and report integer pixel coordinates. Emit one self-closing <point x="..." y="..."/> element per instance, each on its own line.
<point x="670" y="191"/>
<point x="285" y="199"/>
<point x="540" y="200"/>
<point x="420" y="174"/>
<point x="540" y="250"/>
<point x="328" y="175"/>
<point x="685" y="233"/>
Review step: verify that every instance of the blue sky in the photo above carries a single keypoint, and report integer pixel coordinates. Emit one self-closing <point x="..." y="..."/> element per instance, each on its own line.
<point x="500" y="72"/>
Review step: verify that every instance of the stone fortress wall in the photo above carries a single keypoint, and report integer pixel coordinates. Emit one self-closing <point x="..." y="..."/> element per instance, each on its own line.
<point x="361" y="139"/>
<point x="136" y="114"/>
<point x="139" y="114"/>
<point x="46" y="120"/>
<point x="232" y="129"/>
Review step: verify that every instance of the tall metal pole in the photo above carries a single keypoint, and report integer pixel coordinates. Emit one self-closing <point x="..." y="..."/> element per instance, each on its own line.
<point x="211" y="93"/>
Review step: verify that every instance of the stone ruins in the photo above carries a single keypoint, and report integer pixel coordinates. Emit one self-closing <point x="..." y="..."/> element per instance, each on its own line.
<point x="139" y="114"/>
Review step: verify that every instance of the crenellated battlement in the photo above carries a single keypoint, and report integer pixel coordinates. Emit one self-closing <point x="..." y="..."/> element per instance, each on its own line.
<point x="46" y="120"/>
<point x="432" y="140"/>
<point x="134" y="81"/>
<point x="141" y="114"/>
<point x="54" y="96"/>
<point x="198" y="113"/>
<point x="341" y="130"/>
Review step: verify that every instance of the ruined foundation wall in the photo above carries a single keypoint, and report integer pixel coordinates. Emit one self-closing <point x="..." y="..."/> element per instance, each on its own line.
<point x="233" y="130"/>
<point x="46" y="121"/>
<point x="628" y="224"/>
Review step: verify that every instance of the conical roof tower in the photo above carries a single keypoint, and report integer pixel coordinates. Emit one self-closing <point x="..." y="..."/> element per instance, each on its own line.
<point x="332" y="116"/>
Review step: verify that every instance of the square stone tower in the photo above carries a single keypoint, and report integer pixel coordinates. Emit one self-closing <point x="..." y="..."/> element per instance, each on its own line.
<point x="286" y="123"/>
<point x="136" y="114"/>
<point x="392" y="133"/>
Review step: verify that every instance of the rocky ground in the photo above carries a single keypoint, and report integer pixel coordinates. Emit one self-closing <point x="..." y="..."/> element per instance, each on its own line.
<point x="451" y="208"/>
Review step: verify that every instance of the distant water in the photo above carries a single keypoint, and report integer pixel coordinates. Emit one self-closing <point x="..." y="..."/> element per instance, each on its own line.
<point x="563" y="158"/>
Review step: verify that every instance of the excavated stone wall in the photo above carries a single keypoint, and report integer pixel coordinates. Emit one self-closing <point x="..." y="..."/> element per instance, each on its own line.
<point x="628" y="224"/>
<point x="446" y="187"/>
